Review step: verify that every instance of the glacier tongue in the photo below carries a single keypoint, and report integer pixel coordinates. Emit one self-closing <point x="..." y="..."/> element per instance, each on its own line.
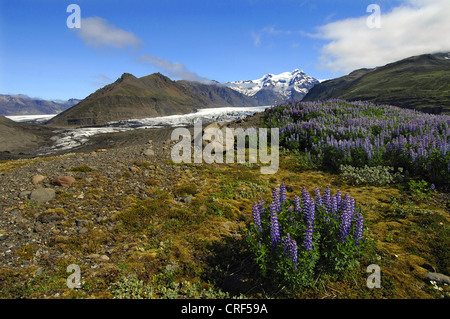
<point x="67" y="139"/>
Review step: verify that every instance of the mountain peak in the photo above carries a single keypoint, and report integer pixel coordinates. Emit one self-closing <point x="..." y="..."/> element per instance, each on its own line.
<point x="285" y="86"/>
<point x="127" y="76"/>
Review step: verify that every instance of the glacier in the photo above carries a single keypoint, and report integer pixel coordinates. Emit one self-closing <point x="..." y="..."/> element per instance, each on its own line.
<point x="67" y="139"/>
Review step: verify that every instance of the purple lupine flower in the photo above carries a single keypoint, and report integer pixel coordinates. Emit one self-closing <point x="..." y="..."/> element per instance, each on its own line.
<point x="276" y="199"/>
<point x="333" y="206"/>
<point x="319" y="201"/>
<point x="326" y="199"/>
<point x="338" y="196"/>
<point x="305" y="196"/>
<point x="290" y="249"/>
<point x="287" y="242"/>
<point x="359" y="227"/>
<point x="297" y="206"/>
<point x="345" y="224"/>
<point x="274" y="226"/>
<point x="307" y="239"/>
<point x="309" y="211"/>
<point x="348" y="205"/>
<point x="257" y="217"/>
<point x="283" y="192"/>
<point x="294" y="254"/>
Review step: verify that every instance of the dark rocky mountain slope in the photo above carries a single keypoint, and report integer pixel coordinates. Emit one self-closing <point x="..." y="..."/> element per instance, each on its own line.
<point x="149" y="96"/>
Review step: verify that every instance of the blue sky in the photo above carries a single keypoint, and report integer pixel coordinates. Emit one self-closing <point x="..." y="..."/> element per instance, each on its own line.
<point x="223" y="40"/>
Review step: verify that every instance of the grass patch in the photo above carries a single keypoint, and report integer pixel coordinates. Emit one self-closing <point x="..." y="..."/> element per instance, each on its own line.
<point x="186" y="189"/>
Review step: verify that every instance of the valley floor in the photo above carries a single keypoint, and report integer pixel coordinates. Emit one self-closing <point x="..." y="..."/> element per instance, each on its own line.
<point x="139" y="225"/>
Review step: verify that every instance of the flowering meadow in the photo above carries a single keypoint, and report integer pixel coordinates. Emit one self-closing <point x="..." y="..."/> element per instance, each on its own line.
<point x="335" y="132"/>
<point x="294" y="239"/>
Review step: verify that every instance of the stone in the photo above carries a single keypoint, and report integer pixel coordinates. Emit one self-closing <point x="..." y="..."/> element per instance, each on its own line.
<point x="25" y="194"/>
<point x="81" y="222"/>
<point x="64" y="181"/>
<point x="49" y="217"/>
<point x="37" y="179"/>
<point x="149" y="152"/>
<point x="103" y="258"/>
<point x="134" y="169"/>
<point x="3" y="236"/>
<point x="42" y="195"/>
<point x="437" y="277"/>
<point x="38" y="227"/>
<point x="187" y="199"/>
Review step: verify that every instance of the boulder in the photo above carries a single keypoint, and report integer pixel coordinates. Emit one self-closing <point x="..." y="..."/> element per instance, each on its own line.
<point x="437" y="277"/>
<point x="148" y="152"/>
<point x="42" y="195"/>
<point x="64" y="181"/>
<point x="37" y="179"/>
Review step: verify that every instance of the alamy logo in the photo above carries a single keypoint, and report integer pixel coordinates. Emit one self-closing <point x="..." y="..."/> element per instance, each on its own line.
<point x="216" y="140"/>
<point x="74" y="19"/>
<point x="374" y="280"/>
<point x="74" y="280"/>
<point x="374" y="20"/>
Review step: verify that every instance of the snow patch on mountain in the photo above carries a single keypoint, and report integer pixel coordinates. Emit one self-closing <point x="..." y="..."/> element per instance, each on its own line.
<point x="283" y="84"/>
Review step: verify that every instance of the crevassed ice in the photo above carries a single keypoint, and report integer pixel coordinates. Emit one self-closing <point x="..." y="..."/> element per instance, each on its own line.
<point x="71" y="138"/>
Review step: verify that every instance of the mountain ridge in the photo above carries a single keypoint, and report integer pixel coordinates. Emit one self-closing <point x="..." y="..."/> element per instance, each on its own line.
<point x="418" y="82"/>
<point x="149" y="96"/>
<point x="276" y="88"/>
<point x="21" y="104"/>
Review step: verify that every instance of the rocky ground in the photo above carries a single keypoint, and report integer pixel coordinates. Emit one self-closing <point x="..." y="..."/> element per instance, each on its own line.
<point x="65" y="207"/>
<point x="119" y="208"/>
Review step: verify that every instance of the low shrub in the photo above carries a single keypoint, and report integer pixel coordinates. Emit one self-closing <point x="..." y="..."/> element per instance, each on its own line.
<point x="376" y="176"/>
<point x="293" y="240"/>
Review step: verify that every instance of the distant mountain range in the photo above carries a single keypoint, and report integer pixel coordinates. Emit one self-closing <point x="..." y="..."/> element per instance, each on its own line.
<point x="419" y="82"/>
<point x="24" y="105"/>
<point x="273" y="89"/>
<point x="149" y="96"/>
<point x="157" y="95"/>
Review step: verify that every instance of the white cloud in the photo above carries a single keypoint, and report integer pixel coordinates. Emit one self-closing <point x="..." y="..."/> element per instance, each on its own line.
<point x="97" y="32"/>
<point x="270" y="31"/>
<point x="172" y="69"/>
<point x="101" y="80"/>
<point x="413" y="28"/>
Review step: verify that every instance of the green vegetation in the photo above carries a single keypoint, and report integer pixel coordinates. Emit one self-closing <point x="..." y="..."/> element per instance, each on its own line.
<point x="377" y="176"/>
<point x="418" y="82"/>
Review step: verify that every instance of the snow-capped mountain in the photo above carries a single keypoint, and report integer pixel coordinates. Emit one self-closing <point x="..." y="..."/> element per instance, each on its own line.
<point x="276" y="88"/>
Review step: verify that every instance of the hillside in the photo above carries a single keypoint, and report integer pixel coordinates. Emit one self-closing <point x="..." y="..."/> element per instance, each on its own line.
<point x="149" y="96"/>
<point x="419" y="82"/>
<point x="25" y="105"/>
<point x="21" y="137"/>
